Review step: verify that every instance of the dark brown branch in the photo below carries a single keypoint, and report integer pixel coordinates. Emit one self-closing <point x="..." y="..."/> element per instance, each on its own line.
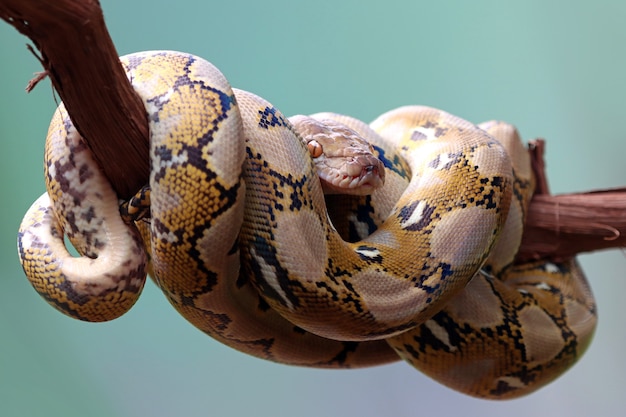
<point x="78" y="55"/>
<point x="561" y="226"/>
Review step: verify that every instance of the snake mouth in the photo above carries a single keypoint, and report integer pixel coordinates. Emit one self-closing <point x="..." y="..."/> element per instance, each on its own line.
<point x="357" y="175"/>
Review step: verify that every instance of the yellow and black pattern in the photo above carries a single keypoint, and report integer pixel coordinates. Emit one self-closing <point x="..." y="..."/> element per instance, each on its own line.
<point x="137" y="207"/>
<point x="235" y="230"/>
<point x="107" y="279"/>
<point x="538" y="321"/>
<point x="522" y="325"/>
<point x="336" y="291"/>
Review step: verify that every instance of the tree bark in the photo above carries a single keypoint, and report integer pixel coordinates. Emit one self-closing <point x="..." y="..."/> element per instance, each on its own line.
<point x="561" y="226"/>
<point x="78" y="55"/>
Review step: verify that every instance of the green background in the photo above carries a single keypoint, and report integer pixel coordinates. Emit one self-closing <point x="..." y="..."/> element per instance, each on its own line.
<point x="555" y="69"/>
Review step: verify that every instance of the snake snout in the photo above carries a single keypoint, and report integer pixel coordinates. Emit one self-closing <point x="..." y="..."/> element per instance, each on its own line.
<point x="360" y="175"/>
<point x="372" y="176"/>
<point x="372" y="171"/>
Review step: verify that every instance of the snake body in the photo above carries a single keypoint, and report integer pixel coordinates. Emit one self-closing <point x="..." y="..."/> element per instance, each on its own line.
<point x="514" y="327"/>
<point x="239" y="239"/>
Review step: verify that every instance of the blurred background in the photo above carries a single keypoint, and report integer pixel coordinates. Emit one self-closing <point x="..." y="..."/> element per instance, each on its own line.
<point x="555" y="69"/>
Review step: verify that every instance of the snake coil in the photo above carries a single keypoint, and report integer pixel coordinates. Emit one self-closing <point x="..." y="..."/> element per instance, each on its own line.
<point x="243" y="242"/>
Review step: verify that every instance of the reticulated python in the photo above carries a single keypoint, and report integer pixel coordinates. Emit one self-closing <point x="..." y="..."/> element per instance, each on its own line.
<point x="239" y="239"/>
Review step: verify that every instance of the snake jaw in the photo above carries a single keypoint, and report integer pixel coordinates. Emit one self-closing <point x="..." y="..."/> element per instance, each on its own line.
<point x="356" y="175"/>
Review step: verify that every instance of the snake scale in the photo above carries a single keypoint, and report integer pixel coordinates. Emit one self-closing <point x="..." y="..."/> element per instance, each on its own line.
<point x="236" y="230"/>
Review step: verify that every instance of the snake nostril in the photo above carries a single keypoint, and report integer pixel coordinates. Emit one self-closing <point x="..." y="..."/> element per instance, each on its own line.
<point x="371" y="169"/>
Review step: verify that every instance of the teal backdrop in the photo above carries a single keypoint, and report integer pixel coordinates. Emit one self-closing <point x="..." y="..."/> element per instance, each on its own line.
<point x="556" y="69"/>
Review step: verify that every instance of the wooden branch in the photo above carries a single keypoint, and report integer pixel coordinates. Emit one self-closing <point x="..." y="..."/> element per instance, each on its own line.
<point x="78" y="55"/>
<point x="561" y="226"/>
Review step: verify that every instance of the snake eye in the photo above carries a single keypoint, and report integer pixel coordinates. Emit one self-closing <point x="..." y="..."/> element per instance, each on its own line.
<point x="315" y="149"/>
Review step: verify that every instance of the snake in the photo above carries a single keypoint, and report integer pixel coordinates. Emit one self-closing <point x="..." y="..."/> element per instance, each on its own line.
<point x="317" y="241"/>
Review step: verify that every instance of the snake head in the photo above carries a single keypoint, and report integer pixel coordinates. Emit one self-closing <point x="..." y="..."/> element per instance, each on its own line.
<point x="344" y="161"/>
